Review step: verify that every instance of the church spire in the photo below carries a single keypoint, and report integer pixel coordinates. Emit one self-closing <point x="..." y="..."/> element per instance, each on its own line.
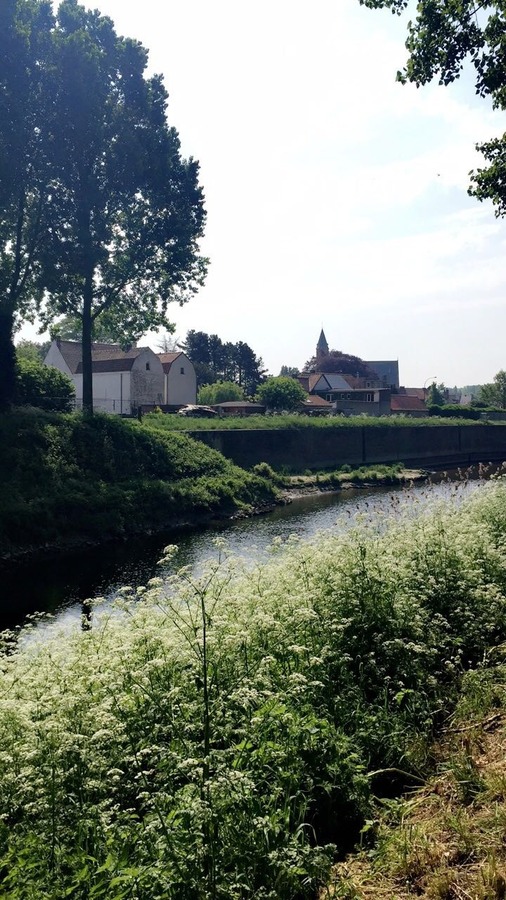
<point x="322" y="348"/>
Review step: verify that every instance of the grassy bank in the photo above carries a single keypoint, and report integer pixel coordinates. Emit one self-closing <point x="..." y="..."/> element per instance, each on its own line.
<point x="66" y="480"/>
<point x="445" y="839"/>
<point x="183" y="423"/>
<point x="222" y="736"/>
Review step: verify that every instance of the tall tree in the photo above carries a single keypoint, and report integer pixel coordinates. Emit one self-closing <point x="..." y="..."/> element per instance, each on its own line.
<point x="250" y="370"/>
<point x="26" y="114"/>
<point x="281" y="394"/>
<point x="446" y="33"/>
<point x="494" y="394"/>
<point x="126" y="210"/>
<point x="215" y="360"/>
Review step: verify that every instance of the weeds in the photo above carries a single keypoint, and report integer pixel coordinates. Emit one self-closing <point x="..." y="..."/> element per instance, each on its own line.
<point x="220" y="736"/>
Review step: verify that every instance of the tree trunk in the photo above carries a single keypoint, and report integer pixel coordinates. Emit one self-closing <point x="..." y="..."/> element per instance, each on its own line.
<point x="7" y="358"/>
<point x="86" y="347"/>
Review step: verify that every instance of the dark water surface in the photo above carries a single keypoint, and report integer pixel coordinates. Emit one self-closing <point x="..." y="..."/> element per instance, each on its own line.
<point x="60" y="586"/>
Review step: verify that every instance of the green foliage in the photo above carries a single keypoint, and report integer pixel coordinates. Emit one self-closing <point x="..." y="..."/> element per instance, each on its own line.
<point x="299" y="421"/>
<point x="337" y="361"/>
<point x="27" y="93"/>
<point x="122" y="211"/>
<point x="43" y="386"/>
<point x="281" y="393"/>
<point x="494" y="394"/>
<point x="435" y="395"/>
<point x="264" y="470"/>
<point x="32" y="350"/>
<point x="442" y="37"/>
<point x="219" y="392"/>
<point x="214" y="736"/>
<point x="289" y="371"/>
<point x="70" y="328"/>
<point x="65" y="479"/>
<point x="453" y="411"/>
<point x="215" y="360"/>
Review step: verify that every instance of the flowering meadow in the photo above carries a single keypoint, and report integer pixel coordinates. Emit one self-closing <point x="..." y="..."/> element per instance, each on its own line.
<point x="221" y="735"/>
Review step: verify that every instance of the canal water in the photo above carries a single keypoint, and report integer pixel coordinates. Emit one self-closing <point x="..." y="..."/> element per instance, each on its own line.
<point x="60" y="586"/>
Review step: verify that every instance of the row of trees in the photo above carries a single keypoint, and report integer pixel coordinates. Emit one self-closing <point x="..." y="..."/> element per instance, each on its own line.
<point x="100" y="216"/>
<point x="215" y="360"/>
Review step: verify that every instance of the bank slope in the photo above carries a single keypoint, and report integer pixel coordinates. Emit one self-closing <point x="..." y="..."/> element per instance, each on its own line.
<point x="66" y="480"/>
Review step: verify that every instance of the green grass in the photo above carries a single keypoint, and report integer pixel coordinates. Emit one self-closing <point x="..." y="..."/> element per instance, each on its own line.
<point x="181" y="423"/>
<point x="220" y="736"/>
<point x="370" y="475"/>
<point x="65" y="479"/>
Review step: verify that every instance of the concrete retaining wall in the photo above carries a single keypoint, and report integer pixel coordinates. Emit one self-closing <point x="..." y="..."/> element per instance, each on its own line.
<point x="323" y="448"/>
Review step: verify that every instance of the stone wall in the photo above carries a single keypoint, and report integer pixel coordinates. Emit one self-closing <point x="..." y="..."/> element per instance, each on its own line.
<point x="322" y="448"/>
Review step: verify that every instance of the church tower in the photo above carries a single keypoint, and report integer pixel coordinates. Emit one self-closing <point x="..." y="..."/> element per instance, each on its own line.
<point x="322" y="348"/>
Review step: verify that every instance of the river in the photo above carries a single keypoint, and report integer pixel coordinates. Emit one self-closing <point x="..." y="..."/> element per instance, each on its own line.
<point x="60" y="586"/>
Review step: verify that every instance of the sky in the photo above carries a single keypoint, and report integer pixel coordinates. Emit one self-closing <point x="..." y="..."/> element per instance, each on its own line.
<point x="336" y="198"/>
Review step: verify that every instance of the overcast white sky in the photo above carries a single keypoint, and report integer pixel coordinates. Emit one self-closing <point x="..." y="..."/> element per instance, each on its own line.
<point x="336" y="198"/>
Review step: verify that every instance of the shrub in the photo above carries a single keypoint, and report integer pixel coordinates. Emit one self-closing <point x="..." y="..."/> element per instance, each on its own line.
<point x="43" y="386"/>
<point x="219" y="392"/>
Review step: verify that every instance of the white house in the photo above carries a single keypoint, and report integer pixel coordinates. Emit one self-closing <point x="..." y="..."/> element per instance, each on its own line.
<point x="180" y="380"/>
<point x="122" y="380"/>
<point x="125" y="380"/>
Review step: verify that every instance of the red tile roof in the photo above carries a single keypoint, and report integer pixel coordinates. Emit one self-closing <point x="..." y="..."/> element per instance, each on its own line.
<point x="167" y="359"/>
<point x="316" y="400"/>
<point x="406" y="403"/>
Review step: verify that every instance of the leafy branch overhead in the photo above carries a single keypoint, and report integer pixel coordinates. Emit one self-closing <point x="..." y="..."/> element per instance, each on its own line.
<point x="444" y="36"/>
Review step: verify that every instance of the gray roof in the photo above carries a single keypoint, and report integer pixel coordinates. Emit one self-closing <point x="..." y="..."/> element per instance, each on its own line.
<point x="387" y="370"/>
<point x="105" y="357"/>
<point x="322" y="345"/>
<point x="335" y="381"/>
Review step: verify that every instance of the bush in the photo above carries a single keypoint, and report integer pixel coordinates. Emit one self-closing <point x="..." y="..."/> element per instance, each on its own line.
<point x="43" y="386"/>
<point x="220" y="392"/>
<point x="454" y="412"/>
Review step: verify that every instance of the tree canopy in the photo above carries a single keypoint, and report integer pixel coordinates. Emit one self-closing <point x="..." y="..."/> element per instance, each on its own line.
<point x="103" y="212"/>
<point x="435" y="394"/>
<point x="281" y="393"/>
<point x="26" y="118"/>
<point x="215" y="360"/>
<point x="443" y="36"/>
<point x="220" y="392"/>
<point x="494" y="394"/>
<point x="340" y="363"/>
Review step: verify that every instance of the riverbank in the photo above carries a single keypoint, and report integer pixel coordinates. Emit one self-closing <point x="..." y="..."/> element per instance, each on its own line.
<point x="309" y="443"/>
<point x="347" y="478"/>
<point x="68" y="482"/>
<point x="226" y="737"/>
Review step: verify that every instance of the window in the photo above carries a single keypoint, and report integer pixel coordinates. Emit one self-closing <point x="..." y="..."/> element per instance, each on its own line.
<point x="369" y="398"/>
<point x="343" y="397"/>
<point x="147" y="367"/>
<point x="329" y="397"/>
<point x="181" y="370"/>
<point x="348" y="396"/>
